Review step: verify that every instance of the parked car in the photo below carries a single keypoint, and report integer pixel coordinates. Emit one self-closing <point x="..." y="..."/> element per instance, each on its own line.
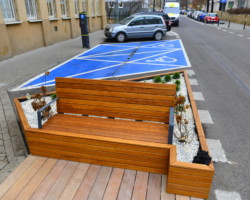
<point x="164" y="15"/>
<point x="211" y="17"/>
<point x="137" y="26"/>
<point x="197" y="14"/>
<point x="201" y="17"/>
<point x="183" y="12"/>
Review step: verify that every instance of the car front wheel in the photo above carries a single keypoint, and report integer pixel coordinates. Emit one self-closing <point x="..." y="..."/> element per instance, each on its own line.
<point x="158" y="35"/>
<point x="120" y="37"/>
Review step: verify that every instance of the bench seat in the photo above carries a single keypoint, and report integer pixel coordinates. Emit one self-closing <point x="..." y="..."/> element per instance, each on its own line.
<point x="131" y="130"/>
<point x="113" y="123"/>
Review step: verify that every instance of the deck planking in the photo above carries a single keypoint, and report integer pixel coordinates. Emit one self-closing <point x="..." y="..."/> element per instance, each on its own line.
<point x="39" y="178"/>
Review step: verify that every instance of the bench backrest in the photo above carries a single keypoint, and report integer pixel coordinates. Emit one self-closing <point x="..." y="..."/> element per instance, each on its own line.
<point x="119" y="99"/>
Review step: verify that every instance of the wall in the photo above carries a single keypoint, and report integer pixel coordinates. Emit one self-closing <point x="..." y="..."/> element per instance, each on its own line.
<point x="23" y="34"/>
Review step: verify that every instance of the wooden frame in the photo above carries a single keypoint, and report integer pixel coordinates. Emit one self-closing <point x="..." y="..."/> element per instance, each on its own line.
<point x="188" y="179"/>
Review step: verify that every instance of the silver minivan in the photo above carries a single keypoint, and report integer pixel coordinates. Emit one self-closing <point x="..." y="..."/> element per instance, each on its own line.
<point x="137" y="26"/>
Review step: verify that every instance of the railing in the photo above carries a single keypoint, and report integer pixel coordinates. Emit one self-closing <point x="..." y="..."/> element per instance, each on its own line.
<point x="39" y="112"/>
<point x="171" y="126"/>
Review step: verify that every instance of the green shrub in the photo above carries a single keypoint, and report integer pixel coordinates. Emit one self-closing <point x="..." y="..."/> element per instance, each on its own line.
<point x="167" y="78"/>
<point x="157" y="79"/>
<point x="176" y="75"/>
<point x="53" y="96"/>
<point x="178" y="87"/>
<point x="177" y="82"/>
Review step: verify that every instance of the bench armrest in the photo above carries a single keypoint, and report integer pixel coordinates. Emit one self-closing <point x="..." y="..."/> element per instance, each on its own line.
<point x="39" y="112"/>
<point x="171" y="126"/>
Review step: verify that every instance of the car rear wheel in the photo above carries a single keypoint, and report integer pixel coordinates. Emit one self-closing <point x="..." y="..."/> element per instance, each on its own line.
<point x="120" y="37"/>
<point x="158" y="35"/>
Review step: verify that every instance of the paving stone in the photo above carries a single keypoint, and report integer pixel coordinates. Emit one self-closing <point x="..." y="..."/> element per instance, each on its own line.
<point x="3" y="164"/>
<point x="193" y="82"/>
<point x="205" y="117"/>
<point x="198" y="96"/>
<point x="9" y="149"/>
<point x="18" y="146"/>
<point x="2" y="149"/>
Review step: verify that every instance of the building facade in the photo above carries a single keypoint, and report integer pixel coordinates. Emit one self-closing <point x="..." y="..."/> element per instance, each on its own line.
<point x="29" y="24"/>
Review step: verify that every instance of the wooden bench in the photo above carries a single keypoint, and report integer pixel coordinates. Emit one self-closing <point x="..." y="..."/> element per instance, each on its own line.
<point x="114" y="123"/>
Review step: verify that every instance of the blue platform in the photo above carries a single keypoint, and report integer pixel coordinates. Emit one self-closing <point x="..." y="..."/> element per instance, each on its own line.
<point x="117" y="60"/>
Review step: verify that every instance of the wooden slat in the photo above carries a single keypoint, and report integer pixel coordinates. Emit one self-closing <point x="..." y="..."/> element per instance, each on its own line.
<point x="16" y="174"/>
<point x="87" y="183"/>
<point x="154" y="187"/>
<point x="102" y="103"/>
<point x="112" y="189"/>
<point x="140" y="187"/>
<point x="24" y="179"/>
<point x="164" y="194"/>
<point x="90" y="152"/>
<point x="96" y="157"/>
<point x="49" y="181"/>
<point x="20" y="112"/>
<point x="33" y="184"/>
<point x="196" y="172"/>
<point x="75" y="181"/>
<point x="106" y="132"/>
<point x="115" y="112"/>
<point x="61" y="182"/>
<point x="188" y="188"/>
<point x="126" y="89"/>
<point x="90" y="139"/>
<point x="190" y="183"/>
<point x="113" y="96"/>
<point x="155" y="128"/>
<point x="100" y="184"/>
<point x="127" y="185"/>
<point x="188" y="177"/>
<point x="115" y="83"/>
<point x="147" y="155"/>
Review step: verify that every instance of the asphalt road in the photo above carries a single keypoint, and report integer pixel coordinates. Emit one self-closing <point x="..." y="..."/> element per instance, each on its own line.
<point x="221" y="64"/>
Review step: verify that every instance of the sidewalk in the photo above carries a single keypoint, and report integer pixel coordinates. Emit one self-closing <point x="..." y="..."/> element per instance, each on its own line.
<point x="17" y="70"/>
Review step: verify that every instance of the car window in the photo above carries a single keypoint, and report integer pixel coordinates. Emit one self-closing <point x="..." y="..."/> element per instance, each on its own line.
<point x="138" y="21"/>
<point x="126" y="20"/>
<point x="153" y="20"/>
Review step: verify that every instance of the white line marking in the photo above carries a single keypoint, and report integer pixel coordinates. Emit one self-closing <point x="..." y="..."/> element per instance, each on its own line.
<point x="205" y="117"/>
<point x="190" y="72"/>
<point x="219" y="28"/>
<point x="240" y="35"/>
<point x="231" y="32"/>
<point x="198" y="96"/>
<point x="2" y="84"/>
<point x="224" y="30"/>
<point x="216" y="150"/>
<point x="248" y="38"/>
<point x="193" y="82"/>
<point x="225" y="195"/>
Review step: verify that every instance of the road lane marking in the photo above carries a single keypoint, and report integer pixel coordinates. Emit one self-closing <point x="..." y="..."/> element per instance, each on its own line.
<point x="216" y="150"/>
<point x="240" y="35"/>
<point x="231" y="32"/>
<point x="205" y="117"/>
<point x="198" y="96"/>
<point x="193" y="82"/>
<point x="225" y="195"/>
<point x="190" y="72"/>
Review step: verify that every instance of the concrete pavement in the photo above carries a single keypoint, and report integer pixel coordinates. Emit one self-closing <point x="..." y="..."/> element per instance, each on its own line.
<point x="15" y="71"/>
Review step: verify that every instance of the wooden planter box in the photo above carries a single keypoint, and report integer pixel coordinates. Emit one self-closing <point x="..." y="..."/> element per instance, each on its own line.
<point x="189" y="179"/>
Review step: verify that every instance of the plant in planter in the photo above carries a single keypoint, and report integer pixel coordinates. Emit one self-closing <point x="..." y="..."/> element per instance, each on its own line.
<point x="157" y="79"/>
<point x="182" y="120"/>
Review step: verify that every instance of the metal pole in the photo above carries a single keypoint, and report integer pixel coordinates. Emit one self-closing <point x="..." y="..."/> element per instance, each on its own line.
<point x="117" y="11"/>
<point x="244" y="27"/>
<point x="154" y="6"/>
<point x="229" y="24"/>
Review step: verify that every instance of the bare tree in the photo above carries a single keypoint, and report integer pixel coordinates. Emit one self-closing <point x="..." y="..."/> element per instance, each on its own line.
<point x="134" y="6"/>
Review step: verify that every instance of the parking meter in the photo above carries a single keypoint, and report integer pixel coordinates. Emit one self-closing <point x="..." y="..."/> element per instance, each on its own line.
<point x="83" y="20"/>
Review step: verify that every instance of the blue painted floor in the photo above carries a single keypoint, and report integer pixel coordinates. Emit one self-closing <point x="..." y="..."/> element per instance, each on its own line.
<point x="116" y="60"/>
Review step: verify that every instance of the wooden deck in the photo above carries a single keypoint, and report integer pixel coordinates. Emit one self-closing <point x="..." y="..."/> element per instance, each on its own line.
<point x="51" y="179"/>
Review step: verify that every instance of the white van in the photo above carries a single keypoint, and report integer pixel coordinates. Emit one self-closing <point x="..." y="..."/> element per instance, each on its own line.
<point x="173" y="11"/>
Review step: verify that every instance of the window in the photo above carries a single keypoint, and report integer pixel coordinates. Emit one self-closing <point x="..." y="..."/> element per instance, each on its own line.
<point x="93" y="7"/>
<point x="64" y="10"/>
<point x="111" y="4"/>
<point x="31" y="9"/>
<point x="98" y="7"/>
<point x="8" y="10"/>
<point x="121" y="5"/>
<point x="51" y="8"/>
<point x="138" y="21"/>
<point x="84" y="5"/>
<point x="76" y="2"/>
